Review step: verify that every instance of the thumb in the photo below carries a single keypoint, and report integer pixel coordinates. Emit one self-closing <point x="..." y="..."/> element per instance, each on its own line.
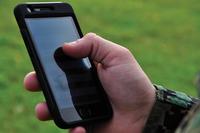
<point x="93" y="46"/>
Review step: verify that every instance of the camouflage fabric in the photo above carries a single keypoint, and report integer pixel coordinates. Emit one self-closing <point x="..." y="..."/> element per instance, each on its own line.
<point x="169" y="110"/>
<point x="191" y="123"/>
<point x="174" y="97"/>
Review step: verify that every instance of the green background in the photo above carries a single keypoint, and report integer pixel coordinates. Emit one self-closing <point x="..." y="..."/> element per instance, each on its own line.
<point x="164" y="36"/>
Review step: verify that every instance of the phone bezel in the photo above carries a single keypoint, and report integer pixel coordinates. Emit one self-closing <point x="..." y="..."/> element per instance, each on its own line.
<point x="60" y="10"/>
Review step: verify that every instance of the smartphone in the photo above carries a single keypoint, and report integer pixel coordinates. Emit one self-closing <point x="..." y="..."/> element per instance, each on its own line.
<point x="71" y="87"/>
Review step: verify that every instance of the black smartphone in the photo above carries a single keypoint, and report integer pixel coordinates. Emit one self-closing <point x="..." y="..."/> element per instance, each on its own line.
<point x="73" y="92"/>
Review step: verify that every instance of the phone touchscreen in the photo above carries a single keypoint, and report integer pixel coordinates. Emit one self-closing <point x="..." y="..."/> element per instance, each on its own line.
<point x="71" y="80"/>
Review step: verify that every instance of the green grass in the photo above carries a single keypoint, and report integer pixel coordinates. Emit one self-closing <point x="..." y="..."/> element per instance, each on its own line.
<point x="162" y="35"/>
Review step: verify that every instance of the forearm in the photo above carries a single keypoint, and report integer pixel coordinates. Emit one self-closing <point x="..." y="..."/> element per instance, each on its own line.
<point x="169" y="109"/>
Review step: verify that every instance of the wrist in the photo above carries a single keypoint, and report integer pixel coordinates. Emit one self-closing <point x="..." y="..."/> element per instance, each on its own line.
<point x="147" y="107"/>
<point x="135" y="120"/>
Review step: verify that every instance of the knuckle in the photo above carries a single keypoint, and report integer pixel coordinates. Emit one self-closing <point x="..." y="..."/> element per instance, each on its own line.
<point x="126" y="50"/>
<point x="91" y="36"/>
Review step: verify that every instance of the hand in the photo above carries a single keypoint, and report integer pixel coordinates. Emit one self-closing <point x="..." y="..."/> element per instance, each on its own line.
<point x="130" y="91"/>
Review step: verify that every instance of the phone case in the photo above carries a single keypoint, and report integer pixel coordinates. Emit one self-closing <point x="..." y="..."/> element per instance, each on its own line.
<point x="61" y="9"/>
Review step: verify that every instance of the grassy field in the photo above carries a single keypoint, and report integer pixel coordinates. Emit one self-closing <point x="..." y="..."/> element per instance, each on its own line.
<point x="163" y="36"/>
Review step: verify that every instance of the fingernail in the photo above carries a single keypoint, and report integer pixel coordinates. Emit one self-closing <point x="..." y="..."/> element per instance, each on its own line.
<point x="72" y="43"/>
<point x="69" y="43"/>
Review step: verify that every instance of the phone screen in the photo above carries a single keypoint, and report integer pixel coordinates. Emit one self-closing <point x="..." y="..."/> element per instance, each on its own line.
<point x="71" y="80"/>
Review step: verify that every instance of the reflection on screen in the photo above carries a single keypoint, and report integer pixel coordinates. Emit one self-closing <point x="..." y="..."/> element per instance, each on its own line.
<point x="65" y="75"/>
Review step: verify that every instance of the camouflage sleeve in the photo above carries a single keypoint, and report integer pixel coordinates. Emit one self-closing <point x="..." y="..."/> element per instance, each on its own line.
<point x="191" y="123"/>
<point x="168" y="111"/>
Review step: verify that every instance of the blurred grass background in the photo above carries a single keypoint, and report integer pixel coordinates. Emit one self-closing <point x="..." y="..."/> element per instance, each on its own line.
<point x="164" y="36"/>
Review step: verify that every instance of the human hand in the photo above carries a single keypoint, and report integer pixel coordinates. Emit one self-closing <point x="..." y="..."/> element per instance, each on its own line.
<point x="129" y="90"/>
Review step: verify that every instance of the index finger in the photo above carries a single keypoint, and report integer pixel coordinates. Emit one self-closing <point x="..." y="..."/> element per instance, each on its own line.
<point x="31" y="83"/>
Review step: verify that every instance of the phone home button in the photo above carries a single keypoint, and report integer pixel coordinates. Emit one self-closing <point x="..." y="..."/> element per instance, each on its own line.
<point x="85" y="112"/>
